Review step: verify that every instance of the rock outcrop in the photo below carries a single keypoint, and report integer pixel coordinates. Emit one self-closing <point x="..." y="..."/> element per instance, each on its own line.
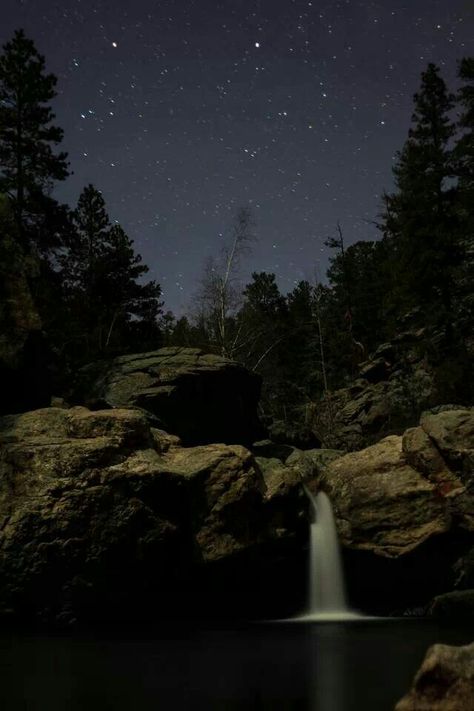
<point x="391" y="390"/>
<point x="200" y="397"/>
<point x="98" y="510"/>
<point x="407" y="499"/>
<point x="394" y="495"/>
<point x="458" y="604"/>
<point x="444" y="682"/>
<point x="105" y="516"/>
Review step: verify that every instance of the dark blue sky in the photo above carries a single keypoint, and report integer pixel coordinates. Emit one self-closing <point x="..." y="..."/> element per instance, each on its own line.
<point x="181" y="111"/>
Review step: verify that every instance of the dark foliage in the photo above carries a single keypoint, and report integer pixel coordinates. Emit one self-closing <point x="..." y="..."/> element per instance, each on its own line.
<point x="82" y="286"/>
<point x="110" y="311"/>
<point x="28" y="163"/>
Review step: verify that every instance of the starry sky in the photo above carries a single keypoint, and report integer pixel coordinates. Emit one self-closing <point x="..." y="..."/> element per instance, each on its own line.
<point x="182" y="111"/>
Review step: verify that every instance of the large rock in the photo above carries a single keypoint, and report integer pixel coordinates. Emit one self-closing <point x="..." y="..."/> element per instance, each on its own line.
<point x="102" y="515"/>
<point x="403" y="510"/>
<point x="200" y="397"/>
<point x="444" y="682"/>
<point x="391" y="497"/>
<point x="452" y="432"/>
<point x="382" y="503"/>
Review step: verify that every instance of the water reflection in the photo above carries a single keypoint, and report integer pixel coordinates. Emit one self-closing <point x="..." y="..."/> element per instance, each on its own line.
<point x="327" y="655"/>
<point x="262" y="667"/>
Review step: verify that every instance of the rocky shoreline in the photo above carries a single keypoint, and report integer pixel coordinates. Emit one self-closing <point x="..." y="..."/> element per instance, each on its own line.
<point x="104" y="515"/>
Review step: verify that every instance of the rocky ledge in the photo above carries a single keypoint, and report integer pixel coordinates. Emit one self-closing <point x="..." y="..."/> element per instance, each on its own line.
<point x="391" y="389"/>
<point x="105" y="516"/>
<point x="198" y="396"/>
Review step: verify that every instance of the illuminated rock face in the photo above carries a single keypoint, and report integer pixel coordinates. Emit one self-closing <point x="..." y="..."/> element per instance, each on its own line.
<point x="404" y="513"/>
<point x="105" y="516"/>
<point x="393" y="496"/>
<point x="99" y="511"/>
<point x="444" y="682"/>
<point x="201" y="397"/>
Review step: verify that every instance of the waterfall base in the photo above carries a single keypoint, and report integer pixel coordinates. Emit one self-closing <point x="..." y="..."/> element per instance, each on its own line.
<point x="336" y="616"/>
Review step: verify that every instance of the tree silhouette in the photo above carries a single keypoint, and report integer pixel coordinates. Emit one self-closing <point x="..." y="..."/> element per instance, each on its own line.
<point x="219" y="294"/>
<point x="419" y="217"/>
<point x="100" y="272"/>
<point x="28" y="163"/>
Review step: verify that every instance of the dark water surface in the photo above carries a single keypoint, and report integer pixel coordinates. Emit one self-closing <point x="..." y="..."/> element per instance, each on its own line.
<point x="361" y="665"/>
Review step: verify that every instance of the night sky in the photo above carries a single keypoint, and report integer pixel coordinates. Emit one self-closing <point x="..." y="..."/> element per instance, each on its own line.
<point x="181" y="111"/>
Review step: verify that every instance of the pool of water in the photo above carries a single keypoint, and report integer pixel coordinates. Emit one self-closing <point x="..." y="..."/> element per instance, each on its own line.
<point x="327" y="666"/>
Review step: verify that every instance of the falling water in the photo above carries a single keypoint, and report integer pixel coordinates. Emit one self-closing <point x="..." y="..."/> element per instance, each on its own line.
<point x="327" y="597"/>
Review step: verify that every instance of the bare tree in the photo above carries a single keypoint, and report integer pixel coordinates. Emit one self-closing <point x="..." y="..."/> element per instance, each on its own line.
<point x="219" y="295"/>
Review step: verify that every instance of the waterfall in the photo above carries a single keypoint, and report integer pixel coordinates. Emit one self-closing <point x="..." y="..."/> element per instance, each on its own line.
<point x="327" y="597"/>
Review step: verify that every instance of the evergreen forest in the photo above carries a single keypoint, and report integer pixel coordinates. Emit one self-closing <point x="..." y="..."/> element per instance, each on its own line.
<point x="71" y="277"/>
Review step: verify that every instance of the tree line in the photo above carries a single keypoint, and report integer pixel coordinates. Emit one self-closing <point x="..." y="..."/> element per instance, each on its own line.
<point x="84" y="273"/>
<point x="421" y="270"/>
<point x="87" y="281"/>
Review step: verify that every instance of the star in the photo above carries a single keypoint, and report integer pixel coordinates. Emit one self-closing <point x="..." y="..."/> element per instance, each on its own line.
<point x="188" y="122"/>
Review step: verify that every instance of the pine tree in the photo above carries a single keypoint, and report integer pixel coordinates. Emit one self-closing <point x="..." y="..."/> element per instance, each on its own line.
<point x="302" y="352"/>
<point x="419" y="219"/>
<point x="28" y="163"/>
<point x="129" y="307"/>
<point x="358" y="272"/>
<point x="261" y="321"/>
<point x="100" y="271"/>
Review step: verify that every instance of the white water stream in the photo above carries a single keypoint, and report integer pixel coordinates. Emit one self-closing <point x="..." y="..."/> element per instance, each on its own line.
<point x="327" y="596"/>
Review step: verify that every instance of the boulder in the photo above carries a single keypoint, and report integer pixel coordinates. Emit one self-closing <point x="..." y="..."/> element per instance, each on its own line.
<point x="268" y="448"/>
<point x="394" y="495"/>
<point x="200" y="397"/>
<point x="296" y="435"/>
<point x="458" y="604"/>
<point x="285" y="502"/>
<point x="103" y="516"/>
<point x="381" y="502"/>
<point x="444" y="682"/>
<point x="452" y="432"/>
<point x="403" y="512"/>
